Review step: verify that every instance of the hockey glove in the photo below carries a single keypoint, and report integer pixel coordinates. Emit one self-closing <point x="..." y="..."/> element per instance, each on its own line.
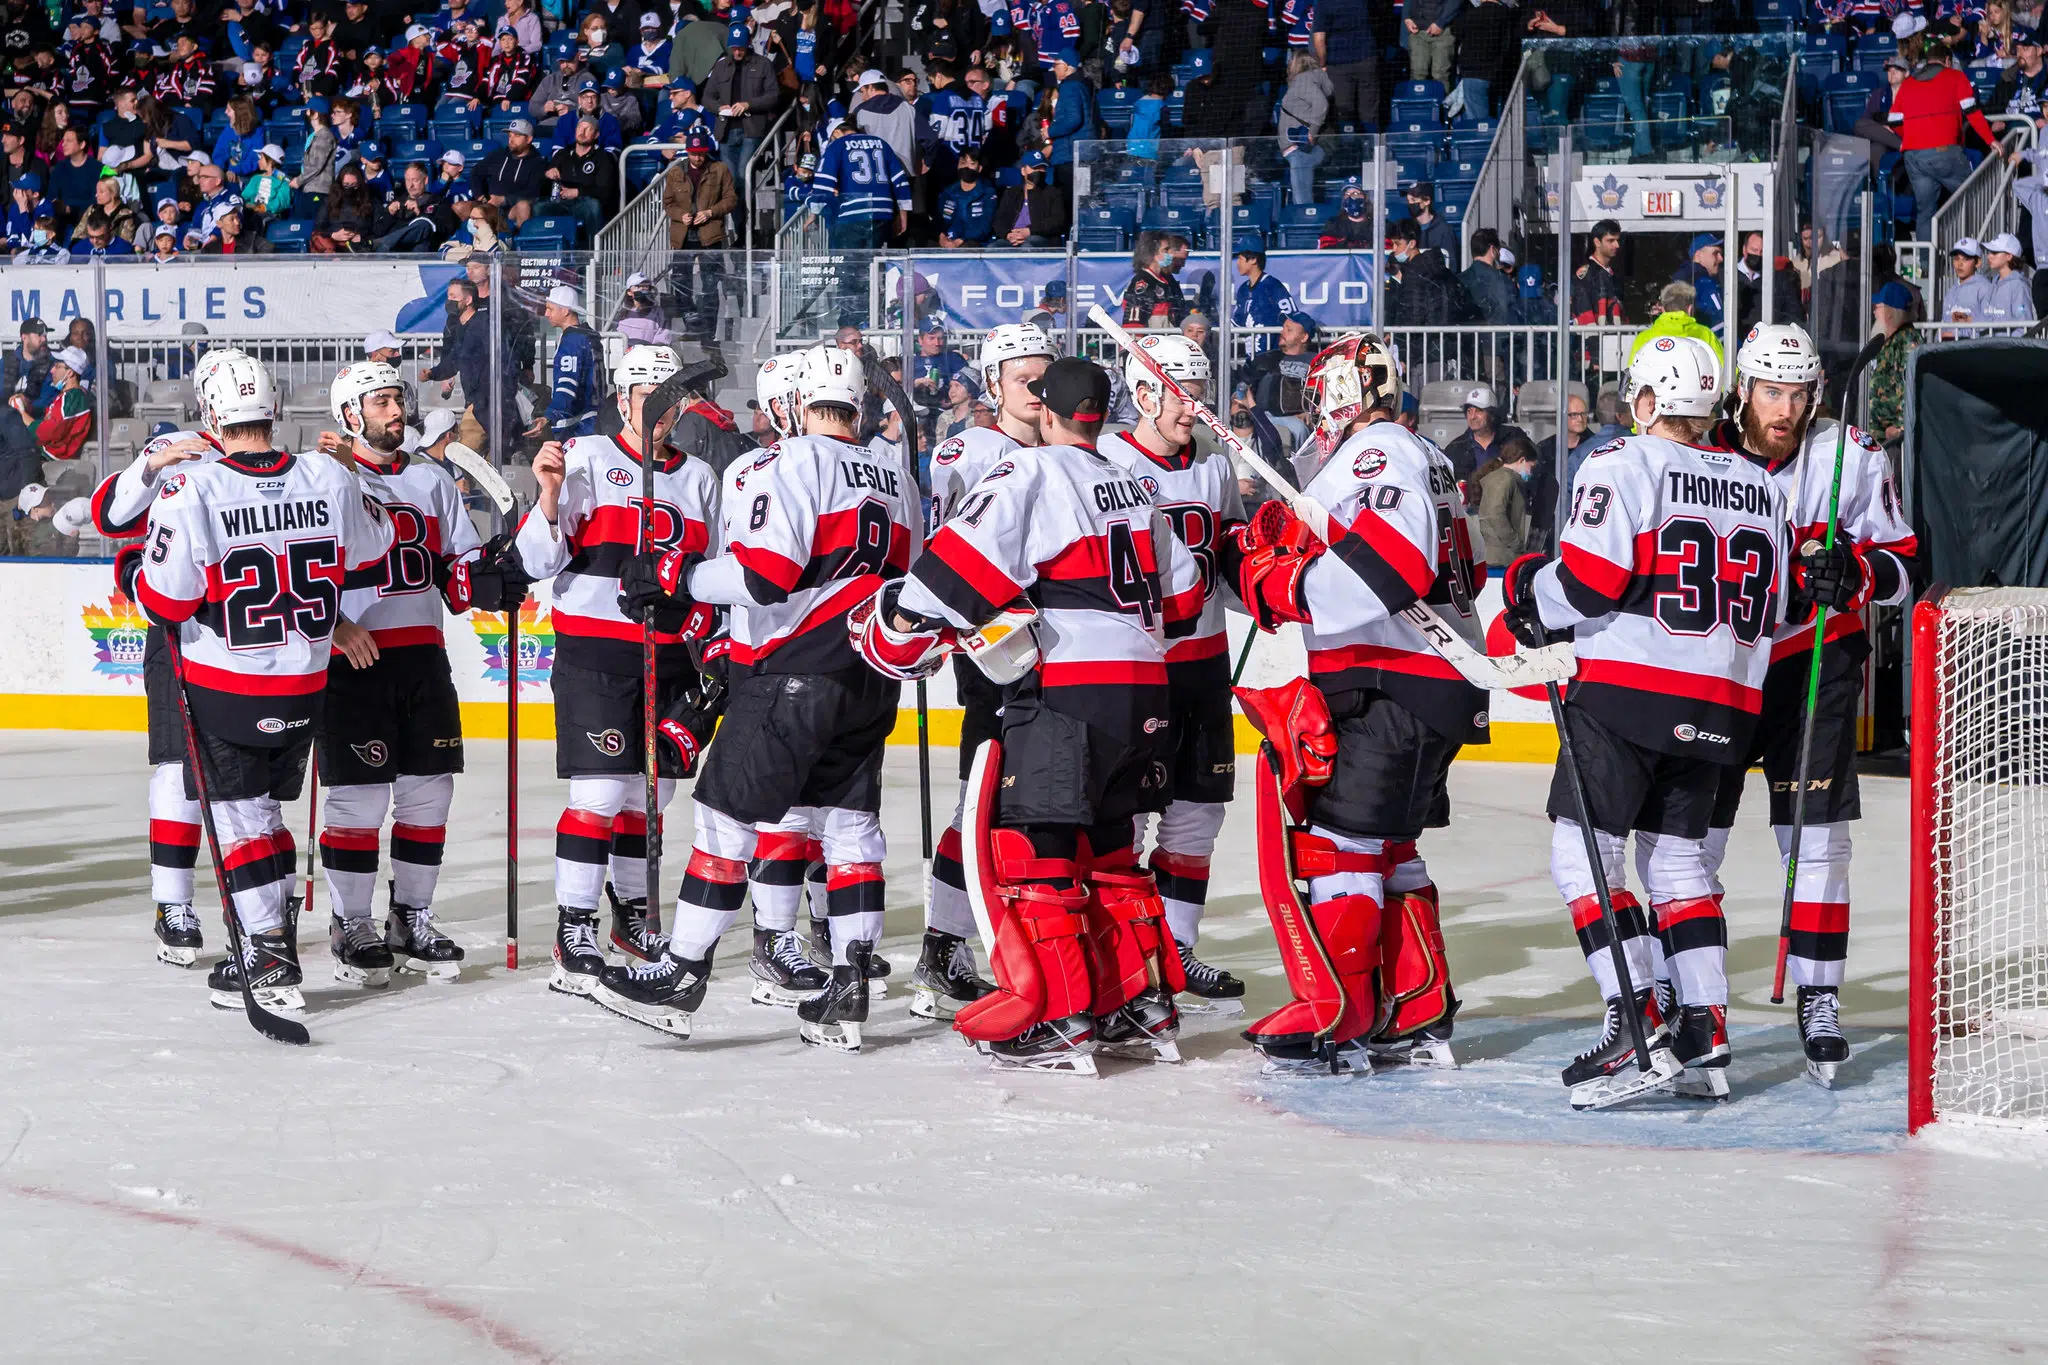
<point x="686" y="727"/>
<point x="653" y="581"/>
<point x="1296" y="719"/>
<point x="493" y="581"/>
<point x="905" y="655"/>
<point x="1278" y="548"/>
<point x="1838" y="579"/>
<point x="127" y="568"/>
<point x="1524" y="620"/>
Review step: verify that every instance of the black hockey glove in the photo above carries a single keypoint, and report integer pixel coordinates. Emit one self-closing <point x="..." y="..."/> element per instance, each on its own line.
<point x="653" y="581"/>
<point x="686" y="726"/>
<point x="494" y="581"/>
<point x="1524" y="621"/>
<point x="127" y="568"/>
<point x="1838" y="579"/>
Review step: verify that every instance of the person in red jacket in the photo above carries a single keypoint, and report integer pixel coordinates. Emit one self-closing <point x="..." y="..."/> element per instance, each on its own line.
<point x="1928" y="112"/>
<point x="68" y="419"/>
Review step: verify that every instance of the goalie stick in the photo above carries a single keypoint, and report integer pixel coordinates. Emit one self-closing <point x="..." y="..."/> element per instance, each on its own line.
<point x="891" y="390"/>
<point x="1523" y="668"/>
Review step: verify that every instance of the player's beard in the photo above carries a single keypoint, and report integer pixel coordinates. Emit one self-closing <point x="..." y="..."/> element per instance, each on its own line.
<point x="1758" y="438"/>
<point x="387" y="439"/>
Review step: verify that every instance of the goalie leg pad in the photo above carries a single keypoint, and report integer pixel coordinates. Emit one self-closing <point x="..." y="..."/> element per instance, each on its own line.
<point x="1040" y="961"/>
<point x="1133" y="949"/>
<point x="1417" y="972"/>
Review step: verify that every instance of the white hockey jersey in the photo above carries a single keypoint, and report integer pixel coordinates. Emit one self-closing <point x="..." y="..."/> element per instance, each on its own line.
<point x="597" y="529"/>
<point x="397" y="600"/>
<point x="1076" y="535"/>
<point x="248" y="554"/>
<point x="814" y="525"/>
<point x="1869" y="515"/>
<point x="958" y="463"/>
<point x="1407" y="540"/>
<point x="120" y="505"/>
<point x="1199" y="496"/>
<point x="1674" y="571"/>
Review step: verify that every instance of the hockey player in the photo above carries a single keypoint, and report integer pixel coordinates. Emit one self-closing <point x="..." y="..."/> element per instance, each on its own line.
<point x="587" y="522"/>
<point x="1082" y="955"/>
<point x="391" y="733"/>
<point x="1013" y="357"/>
<point x="245" y="557"/>
<point x="823" y="523"/>
<point x="120" y="512"/>
<point x="1778" y="375"/>
<point x="1674" y="571"/>
<point x="1200" y="499"/>
<point x="1399" y="713"/>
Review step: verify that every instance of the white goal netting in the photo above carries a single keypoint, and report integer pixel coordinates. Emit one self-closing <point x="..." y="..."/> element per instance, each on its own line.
<point x="1987" y="807"/>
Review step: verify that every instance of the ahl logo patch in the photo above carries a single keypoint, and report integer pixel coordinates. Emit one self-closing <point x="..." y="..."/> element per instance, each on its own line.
<point x="1686" y="734"/>
<point x="270" y="725"/>
<point x="950" y="449"/>
<point x="1370" y="464"/>
<point x="1610" y="447"/>
<point x="373" y="753"/>
<point x="1002" y="470"/>
<point x="621" y="477"/>
<point x="610" y="743"/>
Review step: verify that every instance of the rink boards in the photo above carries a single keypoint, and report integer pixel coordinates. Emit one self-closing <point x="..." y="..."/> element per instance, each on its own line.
<point x="73" y="661"/>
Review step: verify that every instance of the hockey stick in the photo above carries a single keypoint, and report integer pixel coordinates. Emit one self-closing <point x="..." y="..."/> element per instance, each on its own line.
<point x="1622" y="976"/>
<point x="1813" y="669"/>
<point x="1244" y="656"/>
<point x="1524" y="668"/>
<point x="485" y="479"/>
<point x="274" y="1027"/>
<point x="892" y="390"/>
<point x="312" y="817"/>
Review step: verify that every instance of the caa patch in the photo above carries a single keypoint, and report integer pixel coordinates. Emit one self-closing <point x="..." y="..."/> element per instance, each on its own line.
<point x="374" y="753"/>
<point x="619" y="476"/>
<point x="950" y="449"/>
<point x="1370" y="464"/>
<point x="172" y="485"/>
<point x="1150" y="485"/>
<point x="610" y="743"/>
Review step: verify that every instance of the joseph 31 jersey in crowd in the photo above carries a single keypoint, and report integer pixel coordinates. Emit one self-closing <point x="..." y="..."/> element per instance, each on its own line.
<point x="816" y="524"/>
<point x="597" y="530"/>
<point x="1199" y="497"/>
<point x="1409" y="541"/>
<point x="398" y="601"/>
<point x="249" y="553"/>
<point x="958" y="464"/>
<point x="1678" y="558"/>
<point x="120" y="505"/>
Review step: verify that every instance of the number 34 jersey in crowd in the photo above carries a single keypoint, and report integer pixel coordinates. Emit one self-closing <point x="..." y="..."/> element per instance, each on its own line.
<point x="1675" y="566"/>
<point x="398" y="599"/>
<point x="248" y="553"/>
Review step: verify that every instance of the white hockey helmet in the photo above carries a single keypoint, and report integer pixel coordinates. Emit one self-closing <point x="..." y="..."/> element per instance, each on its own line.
<point x="644" y="365"/>
<point x="1778" y="353"/>
<point x="1175" y="354"/>
<point x="233" y="390"/>
<point x="1010" y="341"/>
<point x="777" y="383"/>
<point x="1683" y="373"/>
<point x="355" y="383"/>
<point x="831" y="375"/>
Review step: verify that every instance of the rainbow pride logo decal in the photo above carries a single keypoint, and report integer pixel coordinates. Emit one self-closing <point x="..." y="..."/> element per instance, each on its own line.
<point x="536" y="645"/>
<point x="118" y="630"/>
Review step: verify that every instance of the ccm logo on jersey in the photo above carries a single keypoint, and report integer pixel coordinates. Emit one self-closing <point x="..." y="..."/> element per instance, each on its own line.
<point x="1370" y="464"/>
<point x="619" y="477"/>
<point x="608" y="742"/>
<point x="1154" y="724"/>
<point x="374" y="753"/>
<point x="1688" y="733"/>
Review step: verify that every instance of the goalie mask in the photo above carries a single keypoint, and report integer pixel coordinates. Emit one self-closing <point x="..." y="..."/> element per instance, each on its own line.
<point x="234" y="390"/>
<point x="1356" y="376"/>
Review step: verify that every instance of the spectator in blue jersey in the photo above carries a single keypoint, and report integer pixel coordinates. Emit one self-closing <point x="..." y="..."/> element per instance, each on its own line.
<point x="967" y="208"/>
<point x="1073" y="115"/>
<point x="798" y="185"/>
<point x="1056" y="25"/>
<point x="1703" y="273"/>
<point x="864" y="188"/>
<point x="949" y="121"/>
<point x="684" y="113"/>
<point x="1261" y="300"/>
<point x="588" y="105"/>
<point x="647" y="69"/>
<point x="572" y="406"/>
<point x="25" y="204"/>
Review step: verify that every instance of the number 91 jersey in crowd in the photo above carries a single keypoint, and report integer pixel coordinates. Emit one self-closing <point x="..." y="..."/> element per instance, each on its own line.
<point x="249" y="554"/>
<point x="398" y="600"/>
<point x="1410" y="542"/>
<point x="1199" y="498"/>
<point x="1675" y="565"/>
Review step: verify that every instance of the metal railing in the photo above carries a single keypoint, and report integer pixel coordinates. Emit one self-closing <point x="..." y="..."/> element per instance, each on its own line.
<point x="1983" y="204"/>
<point x="1497" y="195"/>
<point x="623" y="245"/>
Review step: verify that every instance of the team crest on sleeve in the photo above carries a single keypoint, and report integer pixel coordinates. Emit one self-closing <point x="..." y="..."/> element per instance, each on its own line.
<point x="611" y="743"/>
<point x="1866" y="440"/>
<point x="1369" y="464"/>
<point x="1000" y="471"/>
<point x="172" y="485"/>
<point x="623" y="478"/>
<point x="1607" y="449"/>
<point x="950" y="449"/>
<point x="373" y="753"/>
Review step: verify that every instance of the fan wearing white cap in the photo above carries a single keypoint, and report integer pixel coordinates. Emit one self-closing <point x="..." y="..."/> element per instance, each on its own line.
<point x="2007" y="294"/>
<point x="1200" y="498"/>
<point x="589" y="524"/>
<point x="1676" y="557"/>
<point x="572" y="403"/>
<point x="1874" y="560"/>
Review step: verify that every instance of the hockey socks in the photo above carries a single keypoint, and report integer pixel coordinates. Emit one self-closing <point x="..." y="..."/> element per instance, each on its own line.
<point x="854" y="904"/>
<point x="1820" y="905"/>
<point x="775" y="875"/>
<point x="174" y="836"/>
<point x="950" y="911"/>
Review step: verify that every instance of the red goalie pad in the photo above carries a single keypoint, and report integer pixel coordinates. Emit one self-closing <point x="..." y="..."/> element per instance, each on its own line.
<point x="1417" y="975"/>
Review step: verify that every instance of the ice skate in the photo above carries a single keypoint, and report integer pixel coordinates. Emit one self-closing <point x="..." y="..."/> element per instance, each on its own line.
<point x="1146" y="1029"/>
<point x="661" y="994"/>
<point x="273" y="962"/>
<point x="1820" y="1033"/>
<point x="636" y="930"/>
<point x="1210" y="990"/>
<point x="1428" y="1046"/>
<point x="178" y="941"/>
<point x="361" y="957"/>
<point x="945" y="978"/>
<point x="784" y="974"/>
<point x="832" y="1018"/>
<point x="1300" y="1057"/>
<point x="418" y="945"/>
<point x="1700" y="1042"/>
<point x="818" y="941"/>
<point x="1606" y="1074"/>
<point x="1060" y="1045"/>
<point x="578" y="958"/>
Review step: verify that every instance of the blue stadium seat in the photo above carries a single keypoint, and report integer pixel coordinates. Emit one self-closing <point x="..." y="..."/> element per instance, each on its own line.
<point x="1603" y="117"/>
<point x="1105" y="228"/>
<point x="1402" y="146"/>
<point x="1416" y="127"/>
<point x="1826" y="49"/>
<point x="1871" y="51"/>
<point x="1409" y="169"/>
<point x="1124" y="194"/>
<point x="453" y="123"/>
<point x="1272" y="195"/>
<point x="1454" y="214"/>
<point x="396" y="124"/>
<point x="1841" y="108"/>
<point x="1176" y="104"/>
<point x="1461" y="146"/>
<point x="1469" y="124"/>
<point x="1771" y="14"/>
<point x="1301" y="225"/>
<point x="399" y="155"/>
<point x="1186" y="221"/>
<point x="561" y="227"/>
<point x="563" y="44"/>
<point x="1249" y="218"/>
<point x="1419" y="90"/>
<point x="1416" y="111"/>
<point x="1459" y="168"/>
<point x="1117" y="106"/>
<point x="292" y="237"/>
<point x="473" y="151"/>
<point x="1449" y="192"/>
<point x="1180" y="194"/>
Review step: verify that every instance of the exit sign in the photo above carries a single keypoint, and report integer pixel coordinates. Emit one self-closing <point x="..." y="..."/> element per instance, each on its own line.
<point x="1662" y="203"/>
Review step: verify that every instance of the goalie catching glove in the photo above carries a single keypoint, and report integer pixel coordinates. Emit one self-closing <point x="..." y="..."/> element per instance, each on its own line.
<point x="493" y="580"/>
<point x="1278" y="548"/>
<point x="905" y="655"/>
<point x="1524" y="620"/>
<point x="653" y="581"/>
<point x="1837" y="578"/>
<point x="1295" y="719"/>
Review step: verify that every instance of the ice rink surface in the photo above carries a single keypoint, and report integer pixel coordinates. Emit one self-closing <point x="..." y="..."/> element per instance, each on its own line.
<point x="485" y="1171"/>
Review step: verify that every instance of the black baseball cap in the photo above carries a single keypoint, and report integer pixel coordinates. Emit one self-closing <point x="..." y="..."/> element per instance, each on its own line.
<point x="1074" y="388"/>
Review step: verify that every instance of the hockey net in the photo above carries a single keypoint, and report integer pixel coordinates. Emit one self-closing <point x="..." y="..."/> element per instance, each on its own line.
<point x="1979" y="986"/>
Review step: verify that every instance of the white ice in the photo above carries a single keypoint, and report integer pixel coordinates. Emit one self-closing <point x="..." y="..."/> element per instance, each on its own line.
<point x="485" y="1171"/>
